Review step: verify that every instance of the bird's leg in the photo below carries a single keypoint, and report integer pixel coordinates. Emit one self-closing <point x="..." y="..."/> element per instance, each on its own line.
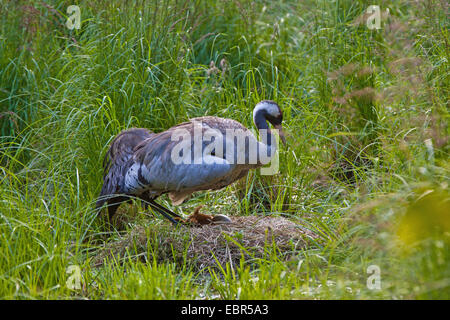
<point x="165" y="215"/>
<point x="196" y="218"/>
<point x="171" y="216"/>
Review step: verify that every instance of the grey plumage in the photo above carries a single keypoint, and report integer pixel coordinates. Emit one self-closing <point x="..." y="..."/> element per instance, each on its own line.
<point x="116" y="162"/>
<point x="141" y="164"/>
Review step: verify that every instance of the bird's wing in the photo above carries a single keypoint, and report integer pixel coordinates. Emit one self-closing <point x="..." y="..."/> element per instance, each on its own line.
<point x="117" y="159"/>
<point x="157" y="167"/>
<point x="221" y="124"/>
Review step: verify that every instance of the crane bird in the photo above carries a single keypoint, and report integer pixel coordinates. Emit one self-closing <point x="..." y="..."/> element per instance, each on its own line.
<point x="206" y="153"/>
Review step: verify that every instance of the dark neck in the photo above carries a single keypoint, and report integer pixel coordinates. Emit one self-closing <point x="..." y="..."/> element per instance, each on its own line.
<point x="261" y="123"/>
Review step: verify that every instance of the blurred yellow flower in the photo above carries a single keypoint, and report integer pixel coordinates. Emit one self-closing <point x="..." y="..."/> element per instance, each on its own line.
<point x="428" y="216"/>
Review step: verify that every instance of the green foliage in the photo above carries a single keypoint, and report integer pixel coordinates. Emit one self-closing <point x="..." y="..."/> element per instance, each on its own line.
<point x="368" y="138"/>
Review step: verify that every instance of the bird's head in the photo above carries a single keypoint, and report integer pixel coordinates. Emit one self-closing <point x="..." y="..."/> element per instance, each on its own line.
<point x="268" y="110"/>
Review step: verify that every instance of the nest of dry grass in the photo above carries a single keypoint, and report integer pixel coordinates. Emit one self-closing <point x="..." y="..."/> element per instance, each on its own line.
<point x="249" y="237"/>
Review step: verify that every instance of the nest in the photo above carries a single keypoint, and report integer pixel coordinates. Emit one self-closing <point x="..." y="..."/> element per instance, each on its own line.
<point x="248" y="237"/>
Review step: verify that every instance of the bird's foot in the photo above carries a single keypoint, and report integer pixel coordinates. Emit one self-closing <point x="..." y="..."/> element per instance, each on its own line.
<point x="198" y="218"/>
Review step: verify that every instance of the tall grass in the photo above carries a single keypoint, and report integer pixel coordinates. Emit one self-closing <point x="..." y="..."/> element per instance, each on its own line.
<point x="359" y="106"/>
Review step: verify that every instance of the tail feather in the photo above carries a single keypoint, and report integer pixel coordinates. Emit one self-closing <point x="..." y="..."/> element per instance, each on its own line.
<point x="116" y="159"/>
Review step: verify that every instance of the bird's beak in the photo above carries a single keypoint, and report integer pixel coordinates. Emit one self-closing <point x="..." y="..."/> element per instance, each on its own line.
<point x="281" y="133"/>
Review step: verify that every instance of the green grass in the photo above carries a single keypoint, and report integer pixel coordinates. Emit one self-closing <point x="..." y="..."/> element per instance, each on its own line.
<point x="359" y="106"/>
